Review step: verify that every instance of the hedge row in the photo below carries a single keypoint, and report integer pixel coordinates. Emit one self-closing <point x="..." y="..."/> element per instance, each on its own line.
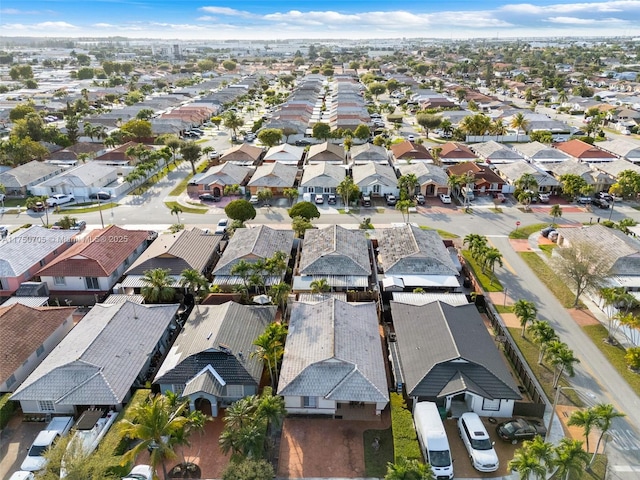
<point x="114" y="444"/>
<point x="405" y="441"/>
<point x="6" y="410"/>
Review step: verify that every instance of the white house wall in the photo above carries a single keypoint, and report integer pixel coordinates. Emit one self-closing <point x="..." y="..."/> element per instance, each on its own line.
<point x="32" y="406"/>
<point x="294" y="405"/>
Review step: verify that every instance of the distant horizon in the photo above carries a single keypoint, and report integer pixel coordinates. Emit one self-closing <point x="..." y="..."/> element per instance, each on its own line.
<point x="256" y="20"/>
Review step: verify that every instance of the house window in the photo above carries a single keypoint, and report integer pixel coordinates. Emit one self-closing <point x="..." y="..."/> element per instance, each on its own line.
<point x="491" y="405"/>
<point x="309" y="402"/>
<point x="376" y="189"/>
<point x="40" y="350"/>
<point x="46" y="406"/>
<point x="235" y="391"/>
<point x="59" y="281"/>
<point x="11" y="380"/>
<point x="42" y="263"/>
<point x="91" y="283"/>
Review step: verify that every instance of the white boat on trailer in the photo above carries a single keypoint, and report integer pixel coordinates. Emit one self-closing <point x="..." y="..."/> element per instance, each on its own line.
<point x="88" y="431"/>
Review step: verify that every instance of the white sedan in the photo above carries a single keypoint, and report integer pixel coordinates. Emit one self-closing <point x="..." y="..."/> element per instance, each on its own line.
<point x="445" y="198"/>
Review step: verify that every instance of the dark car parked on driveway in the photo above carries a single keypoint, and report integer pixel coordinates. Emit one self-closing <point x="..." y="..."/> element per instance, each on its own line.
<point x="100" y="196"/>
<point x="600" y="202"/>
<point x="208" y="197"/>
<point x="519" y="429"/>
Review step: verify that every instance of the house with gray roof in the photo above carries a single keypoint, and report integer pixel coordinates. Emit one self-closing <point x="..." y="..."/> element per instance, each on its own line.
<point x="333" y="362"/>
<point x="411" y="257"/>
<point x="19" y="180"/>
<point x="540" y="153"/>
<point x="274" y="176"/>
<point x="368" y="152"/>
<point x="24" y="253"/>
<point x="210" y="361"/>
<point x="326" y="152"/>
<point x="219" y="176"/>
<point x="80" y="181"/>
<point x="101" y="361"/>
<point x="595" y="178"/>
<point x="341" y="256"/>
<point x="616" y="167"/>
<point x="494" y="152"/>
<point x="512" y="172"/>
<point x="432" y="179"/>
<point x="375" y="179"/>
<point x="446" y="355"/>
<point x="251" y="245"/>
<point x="284" y="153"/>
<point x="622" y="148"/>
<point x="321" y="178"/>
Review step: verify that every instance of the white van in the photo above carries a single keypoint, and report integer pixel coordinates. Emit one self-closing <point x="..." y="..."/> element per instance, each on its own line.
<point x="433" y="439"/>
<point x="468" y="192"/>
<point x="477" y="442"/>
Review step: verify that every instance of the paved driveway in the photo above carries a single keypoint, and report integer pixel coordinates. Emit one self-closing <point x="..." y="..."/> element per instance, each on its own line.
<point x="15" y="439"/>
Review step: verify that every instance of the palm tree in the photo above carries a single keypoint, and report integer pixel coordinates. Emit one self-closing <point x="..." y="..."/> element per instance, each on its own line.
<point x="279" y="293"/>
<point x="193" y="281"/>
<point x="562" y="97"/>
<point x="491" y="256"/>
<point x="586" y="419"/>
<point x="527" y="181"/>
<point x="155" y="424"/>
<point x="605" y="414"/>
<point x="570" y="458"/>
<point x="542" y="450"/>
<point x="555" y="212"/>
<point x="270" y="350"/>
<point x="67" y="222"/>
<point x="477" y="243"/>
<point x="241" y="412"/>
<point x="191" y="152"/>
<point x="157" y="285"/>
<point x="404" y="469"/>
<point x="542" y="334"/>
<point x="519" y="122"/>
<point x="176" y="210"/>
<point x="527" y="465"/>
<point x="320" y="286"/>
<point x="243" y="270"/>
<point x="562" y="358"/>
<point x="526" y="312"/>
<point x="407" y="185"/>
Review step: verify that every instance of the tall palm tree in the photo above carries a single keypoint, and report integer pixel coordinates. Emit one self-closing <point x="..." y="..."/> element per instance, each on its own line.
<point x="570" y="458"/>
<point x="555" y="212"/>
<point x="526" y="312"/>
<point x="519" y="122"/>
<point x="491" y="257"/>
<point x="158" y="285"/>
<point x="155" y="423"/>
<point x="279" y="293"/>
<point x="542" y="450"/>
<point x="605" y="413"/>
<point x="476" y="243"/>
<point x="176" y="210"/>
<point x="527" y="181"/>
<point x="193" y="281"/>
<point x="562" y="358"/>
<point x="320" y="286"/>
<point x="241" y="412"/>
<point x="527" y="465"/>
<point x="243" y="270"/>
<point x="542" y="334"/>
<point x="586" y="419"/>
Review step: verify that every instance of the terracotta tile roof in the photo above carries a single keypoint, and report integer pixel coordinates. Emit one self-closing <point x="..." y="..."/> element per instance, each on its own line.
<point x="17" y="342"/>
<point x="456" y="150"/>
<point x="97" y="255"/>
<point x="582" y="150"/>
<point x="408" y="150"/>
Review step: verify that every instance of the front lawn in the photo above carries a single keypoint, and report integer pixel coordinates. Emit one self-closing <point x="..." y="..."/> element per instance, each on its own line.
<point x="184" y="208"/>
<point x="443" y="233"/>
<point x="488" y="284"/>
<point x="375" y="461"/>
<point x="525" y="232"/>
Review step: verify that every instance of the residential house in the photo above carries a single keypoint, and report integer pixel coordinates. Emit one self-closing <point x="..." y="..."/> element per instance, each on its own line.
<point x="211" y="361"/>
<point x="432" y="179"/>
<point x="584" y="152"/>
<point x="512" y="172"/>
<point x="251" y="245"/>
<point x="107" y="355"/>
<point x="321" y="178"/>
<point x="243" y="154"/>
<point x="455" y="152"/>
<point x="81" y="181"/>
<point x="540" y="154"/>
<point x="411" y="257"/>
<point x="19" y="180"/>
<point x="27" y="336"/>
<point x="284" y="153"/>
<point x="326" y="152"/>
<point x="494" y="152"/>
<point x="93" y="265"/>
<point x="341" y="256"/>
<point x="596" y="179"/>
<point x="376" y="179"/>
<point x="447" y="356"/>
<point x="333" y="362"/>
<point x="615" y="168"/>
<point x="218" y="177"/>
<point x="118" y="156"/>
<point x="192" y="249"/>
<point x="273" y="176"/>
<point x="368" y="153"/>
<point x="410" y="152"/>
<point x="26" y="252"/>
<point x="621" y="148"/>
<point x="485" y="179"/>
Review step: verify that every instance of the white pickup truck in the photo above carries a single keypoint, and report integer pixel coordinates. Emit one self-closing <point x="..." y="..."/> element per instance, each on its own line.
<point x="58" y="427"/>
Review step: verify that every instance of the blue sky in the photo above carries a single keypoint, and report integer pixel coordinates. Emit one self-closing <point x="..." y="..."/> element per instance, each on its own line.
<point x="328" y="19"/>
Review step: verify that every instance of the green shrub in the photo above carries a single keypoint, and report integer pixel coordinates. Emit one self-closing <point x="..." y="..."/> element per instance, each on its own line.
<point x="405" y="441"/>
<point x="7" y="408"/>
<point x="633" y="358"/>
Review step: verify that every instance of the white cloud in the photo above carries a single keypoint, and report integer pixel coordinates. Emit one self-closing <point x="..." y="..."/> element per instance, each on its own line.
<point x="585" y="21"/>
<point x="229" y="12"/>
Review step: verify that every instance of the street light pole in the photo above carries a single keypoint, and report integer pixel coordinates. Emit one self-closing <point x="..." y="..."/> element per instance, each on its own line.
<point x="99" y="194"/>
<point x="555" y="405"/>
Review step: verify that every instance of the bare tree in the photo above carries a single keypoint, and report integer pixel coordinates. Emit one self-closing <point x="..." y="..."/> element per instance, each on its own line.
<point x="583" y="266"/>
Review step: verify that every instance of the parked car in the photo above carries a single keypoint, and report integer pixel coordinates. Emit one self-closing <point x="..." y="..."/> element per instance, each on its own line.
<point x="519" y="429"/>
<point x="477" y="442"/>
<point x="81" y="225"/>
<point x="319" y="199"/>
<point x="221" y="227"/>
<point x="547" y="230"/>
<point x="254" y="199"/>
<point x="600" y="202"/>
<point x="420" y="200"/>
<point x="22" y="475"/>
<point x="445" y="198"/>
<point x="58" y="427"/>
<point x="366" y="200"/>
<point x="249" y="137"/>
<point x="583" y="199"/>
<point x="100" y="196"/>
<point x="331" y="199"/>
<point x="499" y="196"/>
<point x="213" y="154"/>
<point x="38" y="207"/>
<point x="303" y="143"/>
<point x="59" y="199"/>
<point x="411" y="138"/>
<point x="391" y="200"/>
<point x="152" y="235"/>
<point x="544" y="197"/>
<point x="208" y="197"/>
<point x="140" y="472"/>
<point x="605" y="196"/>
